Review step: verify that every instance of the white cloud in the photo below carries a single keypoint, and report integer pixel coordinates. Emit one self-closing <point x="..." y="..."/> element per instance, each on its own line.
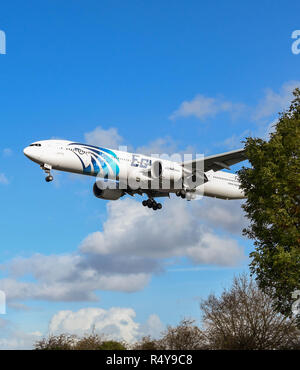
<point x="152" y="327"/>
<point x="11" y="337"/>
<point x="222" y="214"/>
<point x="111" y="138"/>
<point x="272" y="103"/>
<point x="264" y="114"/>
<point x="3" y="179"/>
<point x="212" y="249"/>
<point x="133" y="246"/>
<point x="73" y="277"/>
<point x="115" y="323"/>
<point x="101" y="137"/>
<point x="158" y="146"/>
<point x="175" y="231"/>
<point x="203" y="107"/>
<point x="19" y="341"/>
<point x="167" y="148"/>
<point x="7" y="152"/>
<point x="235" y="141"/>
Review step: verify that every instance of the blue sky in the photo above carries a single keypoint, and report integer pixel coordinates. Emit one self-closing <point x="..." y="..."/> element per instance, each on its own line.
<point x="156" y="76"/>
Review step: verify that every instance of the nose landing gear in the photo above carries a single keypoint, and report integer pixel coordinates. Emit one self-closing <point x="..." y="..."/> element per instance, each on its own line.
<point x="49" y="178"/>
<point x="47" y="168"/>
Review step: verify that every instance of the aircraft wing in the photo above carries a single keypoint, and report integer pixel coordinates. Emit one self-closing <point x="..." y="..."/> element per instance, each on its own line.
<point x="217" y="162"/>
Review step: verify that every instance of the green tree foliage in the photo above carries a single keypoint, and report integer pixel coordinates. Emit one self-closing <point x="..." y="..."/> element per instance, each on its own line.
<point x="146" y="343"/>
<point x="88" y="342"/>
<point x="73" y="342"/>
<point x="272" y="188"/>
<point x="112" y="345"/>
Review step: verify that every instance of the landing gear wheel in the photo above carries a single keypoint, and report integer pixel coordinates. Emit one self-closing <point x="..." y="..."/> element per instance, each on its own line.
<point x="181" y="193"/>
<point x="151" y="203"/>
<point x="47" y="169"/>
<point x="49" y="178"/>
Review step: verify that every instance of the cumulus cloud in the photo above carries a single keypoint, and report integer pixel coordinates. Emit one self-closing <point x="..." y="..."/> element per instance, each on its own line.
<point x="166" y="148"/>
<point x="158" y="146"/>
<point x="263" y="114"/>
<point x="222" y="214"/>
<point x="101" y="137"/>
<point x="11" y="337"/>
<point x="74" y="277"/>
<point x="274" y="102"/>
<point x="153" y="327"/>
<point x="235" y="141"/>
<point x="3" y="179"/>
<point x="176" y="231"/>
<point x="134" y="244"/>
<point x="116" y="323"/>
<point x="203" y="107"/>
<point x="111" y="138"/>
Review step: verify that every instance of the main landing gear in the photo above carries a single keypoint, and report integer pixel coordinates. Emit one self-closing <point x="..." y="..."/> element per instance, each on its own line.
<point x="186" y="194"/>
<point x="181" y="193"/>
<point x="151" y="203"/>
<point x="47" y="168"/>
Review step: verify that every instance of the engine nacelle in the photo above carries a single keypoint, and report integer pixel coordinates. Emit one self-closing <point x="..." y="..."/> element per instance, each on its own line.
<point x="157" y="169"/>
<point x="166" y="174"/>
<point x="166" y="170"/>
<point x="107" y="194"/>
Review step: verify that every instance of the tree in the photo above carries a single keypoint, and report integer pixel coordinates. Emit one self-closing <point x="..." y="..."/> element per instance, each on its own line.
<point x="112" y="345"/>
<point x="146" y="343"/>
<point x="272" y="188"/>
<point x="56" y="342"/>
<point x="88" y="342"/>
<point x="73" y="342"/>
<point x="243" y="318"/>
<point x="185" y="336"/>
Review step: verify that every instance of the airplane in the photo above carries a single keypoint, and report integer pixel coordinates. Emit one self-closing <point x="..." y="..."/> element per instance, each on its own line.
<point x="119" y="173"/>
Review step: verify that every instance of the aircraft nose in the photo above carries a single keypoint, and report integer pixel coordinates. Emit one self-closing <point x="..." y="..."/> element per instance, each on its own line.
<point x="26" y="151"/>
<point x="33" y="153"/>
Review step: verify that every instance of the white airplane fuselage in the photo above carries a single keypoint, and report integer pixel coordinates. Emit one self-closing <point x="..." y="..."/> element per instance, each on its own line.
<point x="126" y="168"/>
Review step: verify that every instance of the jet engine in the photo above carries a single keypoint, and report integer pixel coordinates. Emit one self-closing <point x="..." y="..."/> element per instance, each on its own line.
<point x="166" y="170"/>
<point x="107" y="194"/>
<point x="157" y="169"/>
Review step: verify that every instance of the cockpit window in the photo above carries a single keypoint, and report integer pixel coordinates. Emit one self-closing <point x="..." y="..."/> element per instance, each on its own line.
<point x="35" y="145"/>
